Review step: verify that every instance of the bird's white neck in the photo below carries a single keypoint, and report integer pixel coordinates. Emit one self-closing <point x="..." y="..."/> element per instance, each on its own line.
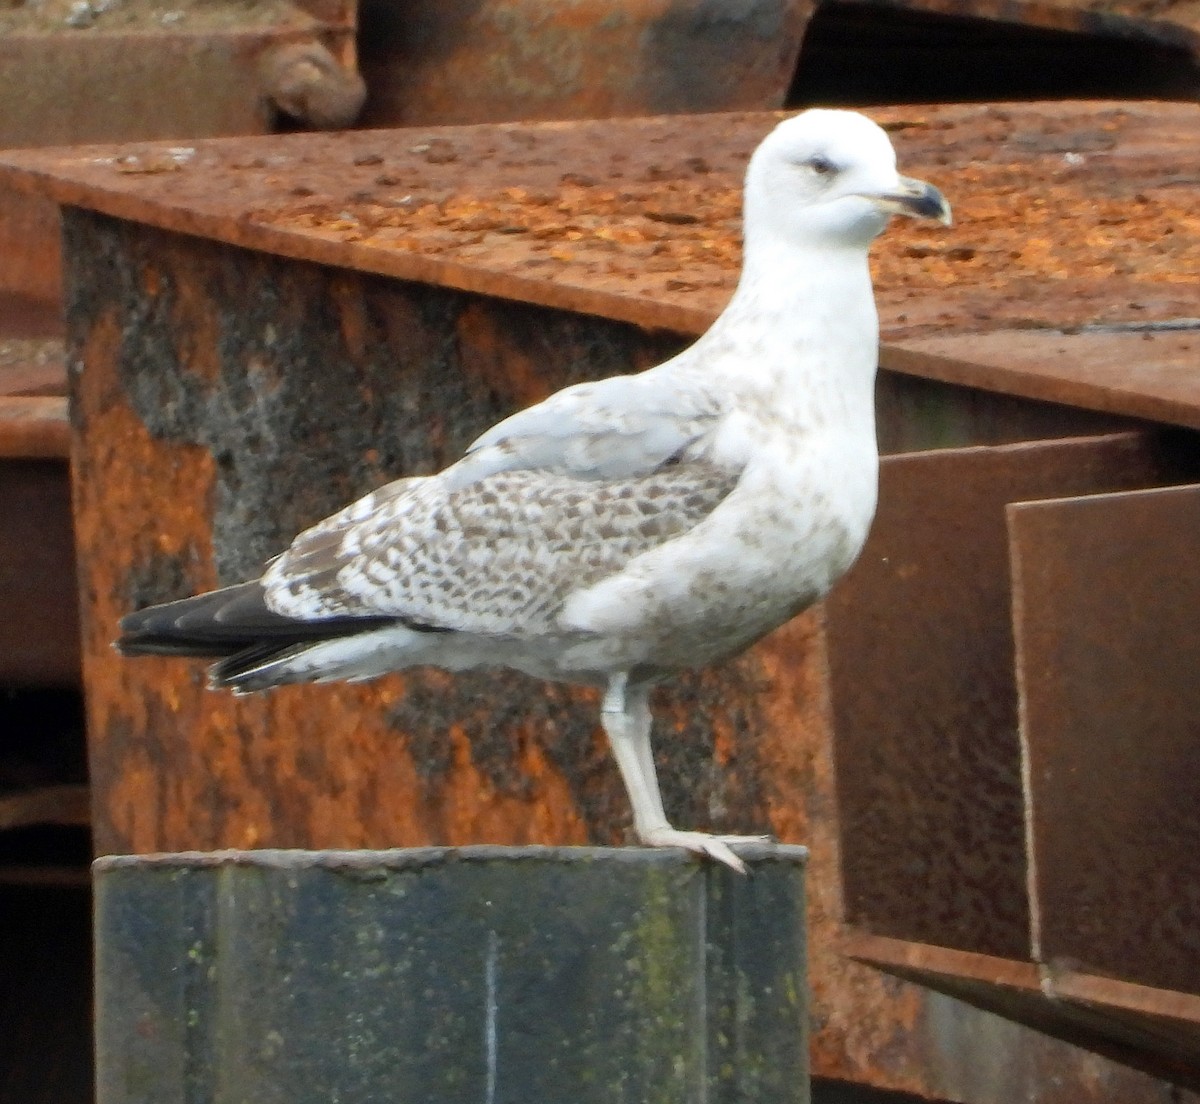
<point x="810" y="284"/>
<point x="800" y="322"/>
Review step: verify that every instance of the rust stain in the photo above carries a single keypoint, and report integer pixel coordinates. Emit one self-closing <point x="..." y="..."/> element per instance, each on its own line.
<point x="195" y="326"/>
<point x="683" y="235"/>
<point x="168" y="534"/>
<point x="352" y="320"/>
<point x="472" y="809"/>
<point x="510" y="371"/>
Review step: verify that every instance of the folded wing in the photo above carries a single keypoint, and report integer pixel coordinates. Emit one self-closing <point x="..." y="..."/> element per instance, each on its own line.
<point x="499" y="556"/>
<point x="550" y="501"/>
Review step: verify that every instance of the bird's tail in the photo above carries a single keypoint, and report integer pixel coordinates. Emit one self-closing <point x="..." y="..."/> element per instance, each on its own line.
<point x="255" y="647"/>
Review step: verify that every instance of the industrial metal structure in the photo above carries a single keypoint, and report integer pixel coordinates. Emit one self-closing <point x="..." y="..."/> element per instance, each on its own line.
<point x="273" y="325"/>
<point x="986" y="736"/>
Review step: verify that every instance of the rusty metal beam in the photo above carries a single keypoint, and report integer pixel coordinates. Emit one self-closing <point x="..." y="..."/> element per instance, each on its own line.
<point x="34" y="427"/>
<point x="535" y="224"/>
<point x="32" y="270"/>
<point x="461" y="61"/>
<point x="1143" y="370"/>
<point x="469" y="61"/>
<point x="1148" y="1029"/>
<point x="31" y="367"/>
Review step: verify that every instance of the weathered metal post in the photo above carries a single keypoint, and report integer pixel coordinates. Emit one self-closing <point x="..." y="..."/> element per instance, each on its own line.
<point x="447" y="975"/>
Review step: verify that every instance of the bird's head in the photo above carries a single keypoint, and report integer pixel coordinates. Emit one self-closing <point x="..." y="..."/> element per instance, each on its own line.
<point x="829" y="178"/>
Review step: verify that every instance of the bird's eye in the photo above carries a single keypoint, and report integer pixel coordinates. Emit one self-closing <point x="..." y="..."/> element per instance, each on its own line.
<point x="822" y="166"/>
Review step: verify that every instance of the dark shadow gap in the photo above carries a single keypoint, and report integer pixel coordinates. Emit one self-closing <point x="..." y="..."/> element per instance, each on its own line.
<point x="43" y="741"/>
<point x="45" y="995"/>
<point x="844" y="1092"/>
<point x="870" y="53"/>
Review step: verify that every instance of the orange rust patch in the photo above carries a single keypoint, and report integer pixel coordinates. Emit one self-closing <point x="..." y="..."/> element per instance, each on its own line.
<point x="1007" y="235"/>
<point x="352" y="319"/>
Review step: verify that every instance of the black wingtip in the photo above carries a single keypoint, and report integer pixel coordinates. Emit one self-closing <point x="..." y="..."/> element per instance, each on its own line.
<point x="233" y="624"/>
<point x="186" y="627"/>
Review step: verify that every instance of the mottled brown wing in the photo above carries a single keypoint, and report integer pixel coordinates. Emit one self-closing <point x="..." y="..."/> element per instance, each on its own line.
<point x="497" y="557"/>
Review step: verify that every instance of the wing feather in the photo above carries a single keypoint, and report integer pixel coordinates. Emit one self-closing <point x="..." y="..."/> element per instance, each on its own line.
<point x="614" y="428"/>
<point x="497" y="556"/>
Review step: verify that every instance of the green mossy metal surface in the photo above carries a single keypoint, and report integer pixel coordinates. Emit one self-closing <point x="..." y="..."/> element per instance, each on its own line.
<point x="446" y="975"/>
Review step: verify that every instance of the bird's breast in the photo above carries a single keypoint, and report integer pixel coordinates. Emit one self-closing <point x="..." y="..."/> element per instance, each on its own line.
<point x="794" y="524"/>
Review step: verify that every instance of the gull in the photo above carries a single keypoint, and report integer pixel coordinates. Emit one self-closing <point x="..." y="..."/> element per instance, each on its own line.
<point x="625" y="529"/>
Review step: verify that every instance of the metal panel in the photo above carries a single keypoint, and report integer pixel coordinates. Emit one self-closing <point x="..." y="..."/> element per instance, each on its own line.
<point x="1108" y="649"/>
<point x="931" y="818"/>
<point x="486" y="974"/>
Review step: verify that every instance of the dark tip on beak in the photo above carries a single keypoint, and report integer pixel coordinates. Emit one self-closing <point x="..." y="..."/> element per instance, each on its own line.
<point x="920" y="200"/>
<point x="932" y="204"/>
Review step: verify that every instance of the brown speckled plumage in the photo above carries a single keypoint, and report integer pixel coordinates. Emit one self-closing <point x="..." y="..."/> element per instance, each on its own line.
<point x="498" y="556"/>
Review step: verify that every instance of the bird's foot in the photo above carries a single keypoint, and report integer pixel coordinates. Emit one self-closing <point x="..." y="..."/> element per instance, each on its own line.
<point x="701" y="843"/>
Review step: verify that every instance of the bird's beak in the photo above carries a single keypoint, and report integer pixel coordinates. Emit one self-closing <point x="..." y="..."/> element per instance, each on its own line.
<point x="914" y="198"/>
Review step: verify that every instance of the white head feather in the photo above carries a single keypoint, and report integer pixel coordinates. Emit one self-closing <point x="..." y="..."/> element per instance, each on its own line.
<point x="828" y="178"/>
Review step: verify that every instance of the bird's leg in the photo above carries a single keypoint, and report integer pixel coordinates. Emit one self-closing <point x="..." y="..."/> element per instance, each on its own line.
<point x="625" y="714"/>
